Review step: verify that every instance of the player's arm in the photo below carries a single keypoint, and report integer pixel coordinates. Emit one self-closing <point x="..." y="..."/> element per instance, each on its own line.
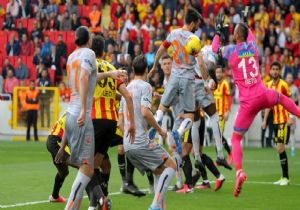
<point x="201" y="63"/>
<point x="60" y="153"/>
<point x="160" y="52"/>
<point x="83" y="90"/>
<point x="146" y="112"/>
<point x="264" y="123"/>
<point x="127" y="97"/>
<point x="117" y="74"/>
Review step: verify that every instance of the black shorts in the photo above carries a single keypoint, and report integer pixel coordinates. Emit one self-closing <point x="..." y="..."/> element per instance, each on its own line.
<point x="116" y="141"/>
<point x="282" y="133"/>
<point x="104" y="131"/>
<point x="53" y="147"/>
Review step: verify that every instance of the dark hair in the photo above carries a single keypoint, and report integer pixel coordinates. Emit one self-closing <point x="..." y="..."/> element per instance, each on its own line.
<point x="192" y="15"/>
<point x="139" y="65"/>
<point x="219" y="67"/>
<point x="82" y="36"/>
<point x="243" y="30"/>
<point x="98" y="45"/>
<point x="276" y="63"/>
<point x="32" y="80"/>
<point x="166" y="57"/>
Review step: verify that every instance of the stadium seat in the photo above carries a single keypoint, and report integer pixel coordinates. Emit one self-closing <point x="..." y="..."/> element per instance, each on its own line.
<point x="23" y="20"/>
<point x="61" y="9"/>
<point x="30" y="25"/>
<point x="3" y="3"/>
<point x="1" y="22"/>
<point x="70" y="41"/>
<point x="63" y="33"/>
<point x="85" y="11"/>
<point x="32" y="73"/>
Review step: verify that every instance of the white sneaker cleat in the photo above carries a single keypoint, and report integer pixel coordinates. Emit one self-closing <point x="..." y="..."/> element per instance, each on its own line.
<point x="278" y="182"/>
<point x="284" y="182"/>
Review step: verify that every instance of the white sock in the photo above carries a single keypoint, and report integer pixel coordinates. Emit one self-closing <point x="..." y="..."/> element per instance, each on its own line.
<point x="214" y="120"/>
<point x="162" y="187"/>
<point x="196" y="139"/>
<point x="185" y="125"/>
<point x="221" y="177"/>
<point x="156" y="178"/>
<point x="178" y="161"/>
<point x="92" y="208"/>
<point x="292" y="138"/>
<point x="80" y="183"/>
<point x="159" y="115"/>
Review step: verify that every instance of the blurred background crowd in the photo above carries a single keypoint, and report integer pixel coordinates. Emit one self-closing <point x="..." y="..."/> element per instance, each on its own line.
<point x="36" y="36"/>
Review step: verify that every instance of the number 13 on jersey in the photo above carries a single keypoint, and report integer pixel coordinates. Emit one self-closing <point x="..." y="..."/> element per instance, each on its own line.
<point x="250" y="65"/>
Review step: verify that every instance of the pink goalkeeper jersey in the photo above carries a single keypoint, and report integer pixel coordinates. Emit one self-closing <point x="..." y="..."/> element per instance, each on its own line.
<point x="243" y="60"/>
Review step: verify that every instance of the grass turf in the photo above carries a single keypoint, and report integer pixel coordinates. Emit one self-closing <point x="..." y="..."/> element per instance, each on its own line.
<point x="27" y="174"/>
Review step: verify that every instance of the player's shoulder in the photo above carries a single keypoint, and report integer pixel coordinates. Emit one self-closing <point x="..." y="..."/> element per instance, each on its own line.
<point x="283" y="83"/>
<point x="269" y="83"/>
<point x="87" y="53"/>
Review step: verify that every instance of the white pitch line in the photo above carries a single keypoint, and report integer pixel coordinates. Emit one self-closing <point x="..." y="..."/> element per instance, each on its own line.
<point x="119" y="193"/>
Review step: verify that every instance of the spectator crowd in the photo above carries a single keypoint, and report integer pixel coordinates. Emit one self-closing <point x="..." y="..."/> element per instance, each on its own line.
<point x="38" y="35"/>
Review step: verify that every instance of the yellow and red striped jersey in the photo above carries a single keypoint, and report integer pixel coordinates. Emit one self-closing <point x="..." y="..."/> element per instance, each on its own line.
<point x="222" y="97"/>
<point x="280" y="115"/>
<point x="59" y="126"/>
<point x="103" y="106"/>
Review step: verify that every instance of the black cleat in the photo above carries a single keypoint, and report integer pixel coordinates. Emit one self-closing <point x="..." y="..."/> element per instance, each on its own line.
<point x="223" y="162"/>
<point x="130" y="188"/>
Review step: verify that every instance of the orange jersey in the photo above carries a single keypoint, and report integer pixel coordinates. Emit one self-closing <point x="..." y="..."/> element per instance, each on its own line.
<point x="280" y="114"/>
<point x="59" y="126"/>
<point x="222" y="97"/>
<point x="103" y="106"/>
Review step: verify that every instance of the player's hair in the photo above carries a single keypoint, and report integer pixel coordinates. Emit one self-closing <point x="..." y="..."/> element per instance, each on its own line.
<point x="219" y="67"/>
<point x="98" y="45"/>
<point x="276" y="63"/>
<point x="82" y="36"/>
<point x="192" y="15"/>
<point x="166" y="57"/>
<point x="243" y="30"/>
<point x="139" y="64"/>
<point x="32" y="80"/>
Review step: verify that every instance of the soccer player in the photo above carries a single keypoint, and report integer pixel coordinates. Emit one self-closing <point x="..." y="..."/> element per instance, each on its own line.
<point x="223" y="103"/>
<point x="82" y="78"/>
<point x="280" y="120"/>
<point x="181" y="81"/>
<point x="253" y="95"/>
<point x="144" y="154"/>
<point x="103" y="110"/>
<point x="205" y="100"/>
<point x="53" y="146"/>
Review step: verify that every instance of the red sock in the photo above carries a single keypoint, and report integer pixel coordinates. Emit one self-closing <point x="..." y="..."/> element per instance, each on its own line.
<point x="237" y="151"/>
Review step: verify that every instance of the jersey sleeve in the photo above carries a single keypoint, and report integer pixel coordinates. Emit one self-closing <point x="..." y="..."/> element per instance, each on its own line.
<point x="227" y="51"/>
<point x="146" y="96"/>
<point x="226" y="89"/>
<point x="168" y="41"/>
<point x="88" y="61"/>
<point x="286" y="90"/>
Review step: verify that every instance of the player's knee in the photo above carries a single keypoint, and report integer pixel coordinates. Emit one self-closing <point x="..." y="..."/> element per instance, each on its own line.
<point x="280" y="148"/>
<point x="186" y="149"/>
<point x="121" y="150"/>
<point x="170" y="163"/>
<point x="63" y="174"/>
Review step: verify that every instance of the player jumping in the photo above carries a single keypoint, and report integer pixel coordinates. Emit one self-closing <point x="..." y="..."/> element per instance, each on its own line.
<point x="253" y="95"/>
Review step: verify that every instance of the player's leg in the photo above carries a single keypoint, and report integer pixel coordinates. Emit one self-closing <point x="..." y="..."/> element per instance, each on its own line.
<point x="293" y="138"/>
<point x="105" y="174"/>
<point x="281" y="138"/>
<point x="244" y="118"/>
<point x="214" y="120"/>
<point x="167" y="172"/>
<point x="224" y="140"/>
<point x="122" y="162"/>
<point x="81" y="141"/>
<point x="273" y="98"/>
<point x="62" y="168"/>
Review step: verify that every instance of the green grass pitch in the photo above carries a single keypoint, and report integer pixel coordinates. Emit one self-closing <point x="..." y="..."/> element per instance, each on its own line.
<point x="27" y="175"/>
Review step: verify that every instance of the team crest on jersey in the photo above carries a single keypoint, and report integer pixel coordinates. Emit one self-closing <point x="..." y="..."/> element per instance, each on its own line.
<point x="246" y="53"/>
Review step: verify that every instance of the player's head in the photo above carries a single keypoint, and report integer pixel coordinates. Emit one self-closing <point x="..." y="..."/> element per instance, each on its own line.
<point x="82" y="36"/>
<point x="140" y="65"/>
<point x="275" y="70"/>
<point x="192" y="19"/>
<point x="289" y="78"/>
<point x="98" y="45"/>
<point x="240" y="33"/>
<point x="166" y="64"/>
<point x="219" y="73"/>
